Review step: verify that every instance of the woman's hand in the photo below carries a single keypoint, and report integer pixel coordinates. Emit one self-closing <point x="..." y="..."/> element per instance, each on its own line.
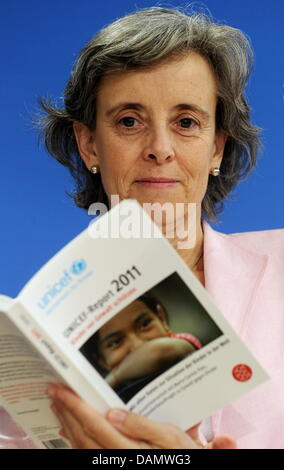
<point x="85" y="428"/>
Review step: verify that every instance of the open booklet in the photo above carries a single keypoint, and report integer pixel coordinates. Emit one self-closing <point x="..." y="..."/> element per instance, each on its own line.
<point x="124" y="322"/>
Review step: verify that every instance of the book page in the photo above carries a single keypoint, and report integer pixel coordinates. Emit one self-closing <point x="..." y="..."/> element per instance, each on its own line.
<point x="139" y="326"/>
<point x="24" y="378"/>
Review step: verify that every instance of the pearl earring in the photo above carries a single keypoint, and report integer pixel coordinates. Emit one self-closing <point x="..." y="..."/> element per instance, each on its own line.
<point x="94" y="169"/>
<point x="216" y="171"/>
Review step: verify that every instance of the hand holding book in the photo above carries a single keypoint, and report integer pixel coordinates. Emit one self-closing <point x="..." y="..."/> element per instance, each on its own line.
<point x="81" y="318"/>
<point x="85" y="428"/>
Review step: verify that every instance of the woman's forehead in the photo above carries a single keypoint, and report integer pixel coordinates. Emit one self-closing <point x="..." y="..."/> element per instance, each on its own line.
<point x="186" y="78"/>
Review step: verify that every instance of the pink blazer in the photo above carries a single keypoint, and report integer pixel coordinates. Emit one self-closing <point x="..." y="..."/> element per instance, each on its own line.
<point x="244" y="275"/>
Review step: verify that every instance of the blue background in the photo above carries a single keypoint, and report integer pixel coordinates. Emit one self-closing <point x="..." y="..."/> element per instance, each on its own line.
<point x="39" y="43"/>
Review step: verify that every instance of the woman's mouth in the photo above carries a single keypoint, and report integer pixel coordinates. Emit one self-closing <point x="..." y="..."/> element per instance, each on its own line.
<point x="157" y="183"/>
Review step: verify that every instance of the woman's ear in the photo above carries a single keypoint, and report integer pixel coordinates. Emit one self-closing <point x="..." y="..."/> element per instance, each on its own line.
<point x="86" y="144"/>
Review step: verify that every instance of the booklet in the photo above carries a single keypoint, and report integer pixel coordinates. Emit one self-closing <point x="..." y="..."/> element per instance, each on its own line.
<point x="119" y="317"/>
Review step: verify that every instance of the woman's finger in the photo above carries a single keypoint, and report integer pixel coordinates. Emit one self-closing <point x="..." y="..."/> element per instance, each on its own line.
<point x="223" y="442"/>
<point x="74" y="431"/>
<point x="66" y="433"/>
<point x="193" y="432"/>
<point x="158" y="435"/>
<point x="93" y="424"/>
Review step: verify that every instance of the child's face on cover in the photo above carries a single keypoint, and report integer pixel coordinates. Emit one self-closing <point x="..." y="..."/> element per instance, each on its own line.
<point x="127" y="331"/>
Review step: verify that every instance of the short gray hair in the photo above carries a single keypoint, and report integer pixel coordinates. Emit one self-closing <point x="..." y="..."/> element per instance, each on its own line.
<point x="143" y="39"/>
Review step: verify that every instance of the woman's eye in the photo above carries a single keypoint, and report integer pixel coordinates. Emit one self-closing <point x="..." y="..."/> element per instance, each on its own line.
<point x="127" y="121"/>
<point x="186" y="123"/>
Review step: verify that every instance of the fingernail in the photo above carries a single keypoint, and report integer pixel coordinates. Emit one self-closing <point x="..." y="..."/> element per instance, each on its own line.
<point x="117" y="416"/>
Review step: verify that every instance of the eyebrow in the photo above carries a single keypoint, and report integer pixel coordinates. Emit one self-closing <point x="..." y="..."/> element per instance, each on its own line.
<point x="179" y="107"/>
<point x="115" y="333"/>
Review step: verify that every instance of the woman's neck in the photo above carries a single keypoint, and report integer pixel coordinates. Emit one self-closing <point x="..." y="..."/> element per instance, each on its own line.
<point x="190" y="246"/>
<point x="193" y="257"/>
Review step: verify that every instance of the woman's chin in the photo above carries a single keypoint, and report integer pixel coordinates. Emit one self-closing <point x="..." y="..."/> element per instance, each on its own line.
<point x="157" y="198"/>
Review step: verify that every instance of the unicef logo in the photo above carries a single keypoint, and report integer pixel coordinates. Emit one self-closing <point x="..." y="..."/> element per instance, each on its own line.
<point x="78" y="266"/>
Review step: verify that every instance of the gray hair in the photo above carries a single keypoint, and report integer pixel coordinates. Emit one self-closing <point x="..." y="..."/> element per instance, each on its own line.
<point x="145" y="38"/>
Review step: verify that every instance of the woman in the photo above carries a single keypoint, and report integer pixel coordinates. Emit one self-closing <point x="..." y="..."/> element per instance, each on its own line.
<point x="155" y="110"/>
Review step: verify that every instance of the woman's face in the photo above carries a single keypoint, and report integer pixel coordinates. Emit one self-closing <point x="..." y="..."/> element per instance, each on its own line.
<point x="156" y="123"/>
<point x="127" y="331"/>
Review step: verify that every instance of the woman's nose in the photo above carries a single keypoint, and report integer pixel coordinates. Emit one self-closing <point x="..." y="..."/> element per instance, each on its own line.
<point x="159" y="148"/>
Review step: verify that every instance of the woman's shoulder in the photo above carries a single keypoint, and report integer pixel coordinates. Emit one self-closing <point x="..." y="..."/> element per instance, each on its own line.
<point x="265" y="241"/>
<point x="244" y="244"/>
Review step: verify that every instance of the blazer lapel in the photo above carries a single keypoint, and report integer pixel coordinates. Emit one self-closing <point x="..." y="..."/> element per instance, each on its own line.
<point x="232" y="276"/>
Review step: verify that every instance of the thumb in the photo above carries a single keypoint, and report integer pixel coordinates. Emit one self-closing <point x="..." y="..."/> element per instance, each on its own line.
<point x="223" y="442"/>
<point x="133" y="424"/>
<point x="162" y="435"/>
